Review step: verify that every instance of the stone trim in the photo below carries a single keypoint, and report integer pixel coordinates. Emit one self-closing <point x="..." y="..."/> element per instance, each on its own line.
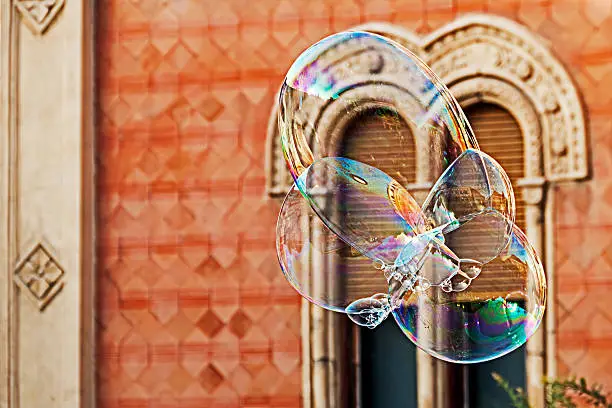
<point x="47" y="216"/>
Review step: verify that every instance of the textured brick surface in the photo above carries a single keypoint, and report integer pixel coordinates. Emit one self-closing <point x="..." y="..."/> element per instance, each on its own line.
<point x="193" y="310"/>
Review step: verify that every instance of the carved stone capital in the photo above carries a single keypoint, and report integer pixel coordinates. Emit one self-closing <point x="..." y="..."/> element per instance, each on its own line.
<point x="532" y="190"/>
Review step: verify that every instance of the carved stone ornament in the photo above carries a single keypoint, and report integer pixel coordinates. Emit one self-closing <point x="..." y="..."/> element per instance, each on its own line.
<point x="39" y="276"/>
<point x="481" y="59"/>
<point x="38" y="14"/>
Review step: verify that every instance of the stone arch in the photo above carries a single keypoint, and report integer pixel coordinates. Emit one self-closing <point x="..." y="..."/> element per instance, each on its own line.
<point x="506" y="58"/>
<point x="500" y="51"/>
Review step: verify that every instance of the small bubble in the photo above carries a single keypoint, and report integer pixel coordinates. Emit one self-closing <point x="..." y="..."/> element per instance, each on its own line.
<point x="446" y="286"/>
<point x="369" y="312"/>
<point x="470" y="268"/>
<point x="422" y="285"/>
<point x="459" y="283"/>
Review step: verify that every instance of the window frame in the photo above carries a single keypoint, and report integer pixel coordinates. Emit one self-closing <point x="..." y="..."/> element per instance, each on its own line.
<point x="481" y="58"/>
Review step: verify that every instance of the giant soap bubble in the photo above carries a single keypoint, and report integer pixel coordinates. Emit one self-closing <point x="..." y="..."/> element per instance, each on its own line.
<point x="460" y="278"/>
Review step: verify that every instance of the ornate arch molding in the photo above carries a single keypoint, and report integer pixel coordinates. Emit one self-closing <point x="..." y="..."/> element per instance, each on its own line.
<point x="330" y="118"/>
<point x="486" y="46"/>
<point x="504" y="51"/>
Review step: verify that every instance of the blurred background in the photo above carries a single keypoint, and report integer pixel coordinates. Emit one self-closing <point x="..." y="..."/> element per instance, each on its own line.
<point x="142" y="176"/>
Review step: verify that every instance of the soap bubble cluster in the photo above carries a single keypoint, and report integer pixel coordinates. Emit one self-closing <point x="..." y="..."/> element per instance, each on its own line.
<point x="456" y="273"/>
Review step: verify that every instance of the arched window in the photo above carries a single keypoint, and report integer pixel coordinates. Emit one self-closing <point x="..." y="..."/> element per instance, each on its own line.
<point x="527" y="114"/>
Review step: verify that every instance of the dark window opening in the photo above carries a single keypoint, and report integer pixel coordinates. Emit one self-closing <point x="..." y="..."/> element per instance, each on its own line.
<point x="388" y="359"/>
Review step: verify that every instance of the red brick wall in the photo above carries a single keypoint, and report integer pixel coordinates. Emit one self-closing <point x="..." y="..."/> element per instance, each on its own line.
<point x="193" y="309"/>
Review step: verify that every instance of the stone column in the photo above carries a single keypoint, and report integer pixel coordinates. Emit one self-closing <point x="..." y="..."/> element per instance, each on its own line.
<point x="426" y="380"/>
<point x="532" y="190"/>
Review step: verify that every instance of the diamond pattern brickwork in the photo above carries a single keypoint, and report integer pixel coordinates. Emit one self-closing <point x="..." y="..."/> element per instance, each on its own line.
<point x="193" y="310"/>
<point x="583" y="228"/>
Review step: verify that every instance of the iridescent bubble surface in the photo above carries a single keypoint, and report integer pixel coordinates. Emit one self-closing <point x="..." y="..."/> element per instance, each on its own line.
<point x="330" y="184"/>
<point x="313" y="258"/>
<point x="496" y="314"/>
<point x="472" y="199"/>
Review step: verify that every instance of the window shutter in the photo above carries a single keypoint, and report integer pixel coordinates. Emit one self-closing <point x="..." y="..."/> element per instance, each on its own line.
<point x="499" y="135"/>
<point x="375" y="138"/>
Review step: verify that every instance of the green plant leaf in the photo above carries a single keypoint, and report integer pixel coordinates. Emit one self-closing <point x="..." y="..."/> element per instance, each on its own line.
<point x="556" y="393"/>
<point x="518" y="399"/>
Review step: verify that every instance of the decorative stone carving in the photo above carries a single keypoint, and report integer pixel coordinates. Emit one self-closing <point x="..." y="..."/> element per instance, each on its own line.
<point x="49" y="354"/>
<point x="493" y="59"/>
<point x="493" y="47"/>
<point x="39" y="276"/>
<point x="38" y="14"/>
